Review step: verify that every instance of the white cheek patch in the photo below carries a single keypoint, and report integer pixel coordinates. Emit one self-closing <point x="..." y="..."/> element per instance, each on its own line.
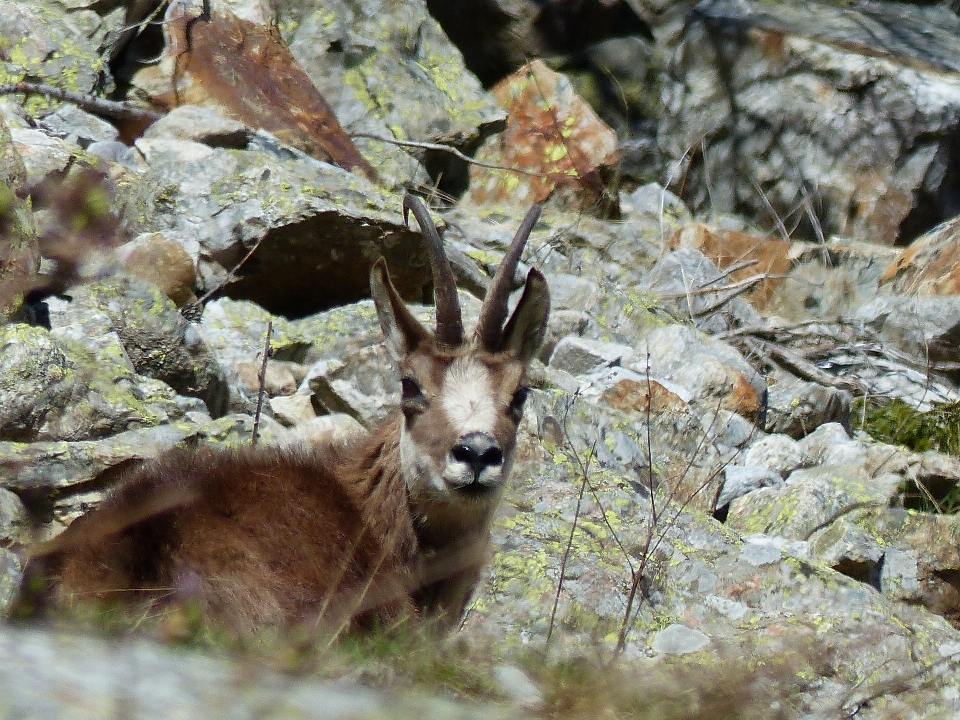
<point x="417" y="469"/>
<point x="467" y="397"/>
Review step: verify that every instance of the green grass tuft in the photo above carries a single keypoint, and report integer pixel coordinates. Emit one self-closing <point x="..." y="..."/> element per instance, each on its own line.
<point x="898" y="423"/>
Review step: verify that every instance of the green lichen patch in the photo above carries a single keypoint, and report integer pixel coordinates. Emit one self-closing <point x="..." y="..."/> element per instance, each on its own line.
<point x="41" y="45"/>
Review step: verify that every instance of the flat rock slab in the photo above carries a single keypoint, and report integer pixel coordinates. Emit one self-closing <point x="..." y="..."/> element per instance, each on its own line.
<point x="52" y="675"/>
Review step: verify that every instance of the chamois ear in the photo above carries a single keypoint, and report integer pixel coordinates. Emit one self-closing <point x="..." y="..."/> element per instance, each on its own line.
<point x="402" y="331"/>
<point x="524" y="332"/>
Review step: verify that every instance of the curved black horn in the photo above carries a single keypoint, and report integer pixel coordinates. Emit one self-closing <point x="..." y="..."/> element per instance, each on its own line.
<point x="494" y="310"/>
<point x="449" y="322"/>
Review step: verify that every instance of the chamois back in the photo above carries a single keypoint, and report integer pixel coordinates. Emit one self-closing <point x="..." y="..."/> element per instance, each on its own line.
<point x="252" y="536"/>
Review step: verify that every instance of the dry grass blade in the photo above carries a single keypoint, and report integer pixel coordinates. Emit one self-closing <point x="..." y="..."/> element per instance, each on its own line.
<point x="261" y="383"/>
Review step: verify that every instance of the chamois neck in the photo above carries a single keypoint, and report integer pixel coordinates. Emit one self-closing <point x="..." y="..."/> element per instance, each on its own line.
<point x="439" y="518"/>
<point x="440" y="524"/>
<point x="372" y="467"/>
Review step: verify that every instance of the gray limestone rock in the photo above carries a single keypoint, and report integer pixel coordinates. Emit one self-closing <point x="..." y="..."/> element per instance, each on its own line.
<point x="78" y="677"/>
<point x="202" y="125"/>
<point x="570" y="292"/>
<point x="688" y="285"/>
<point x="312" y="230"/>
<point x="809" y="500"/>
<point x="797" y="408"/>
<point x="714" y="374"/>
<point x="776" y="452"/>
<point x="79" y="127"/>
<point x="46" y="44"/>
<point x="579" y="356"/>
<point x="849" y="112"/>
<point x="739" y="480"/>
<point x="926" y="328"/>
<point x="159" y="342"/>
<point x="677" y="639"/>
<point x="54" y="388"/>
<point x="236" y="332"/>
<point x="393" y="74"/>
<point x="66" y="478"/>
<point x="44" y="156"/>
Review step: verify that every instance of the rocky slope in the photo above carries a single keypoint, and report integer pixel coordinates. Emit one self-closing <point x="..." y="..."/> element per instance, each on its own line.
<point x="694" y="483"/>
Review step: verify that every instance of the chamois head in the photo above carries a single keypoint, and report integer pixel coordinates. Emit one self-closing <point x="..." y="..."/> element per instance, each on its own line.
<point x="461" y="397"/>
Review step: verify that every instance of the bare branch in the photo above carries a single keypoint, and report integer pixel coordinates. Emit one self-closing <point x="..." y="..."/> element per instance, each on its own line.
<point x="90" y="103"/>
<point x="422" y="145"/>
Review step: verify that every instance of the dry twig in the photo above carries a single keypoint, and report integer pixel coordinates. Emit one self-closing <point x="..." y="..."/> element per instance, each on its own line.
<point x="440" y="147"/>
<point x="261" y="384"/>
<point x="90" y="103"/>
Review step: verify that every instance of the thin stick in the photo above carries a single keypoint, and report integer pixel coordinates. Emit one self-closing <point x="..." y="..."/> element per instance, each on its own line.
<point x="576" y="519"/>
<point x="230" y="276"/>
<point x="90" y="103"/>
<point x="741" y="285"/>
<point x="566" y="557"/>
<point x="448" y="149"/>
<point x="261" y="384"/>
<point x="734" y="290"/>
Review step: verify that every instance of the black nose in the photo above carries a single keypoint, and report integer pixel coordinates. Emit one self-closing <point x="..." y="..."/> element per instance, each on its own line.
<point x="479" y="451"/>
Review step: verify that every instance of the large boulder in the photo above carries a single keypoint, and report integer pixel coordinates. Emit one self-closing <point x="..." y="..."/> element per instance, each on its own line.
<point x="56" y="388"/>
<point x="840" y="118"/>
<point x="159" y="342"/>
<point x="270" y="226"/>
<point x="63" y="44"/>
<point x="389" y="71"/>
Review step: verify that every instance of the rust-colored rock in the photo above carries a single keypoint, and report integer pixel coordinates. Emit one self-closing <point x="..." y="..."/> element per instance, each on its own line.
<point x="729" y="247"/>
<point x="247" y="72"/>
<point x="164" y="263"/>
<point x="930" y="265"/>
<point x="629" y="395"/>
<point x="554" y="138"/>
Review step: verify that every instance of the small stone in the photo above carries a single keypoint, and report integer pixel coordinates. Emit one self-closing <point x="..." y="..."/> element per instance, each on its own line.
<point x="518" y="687"/>
<point x="570" y="292"/>
<point x="580" y="356"/>
<point x="778" y="453"/>
<point x="758" y="553"/>
<point x="740" y="480"/>
<point x="163" y="262"/>
<point x="202" y="125"/>
<point x="336" y="427"/>
<point x="679" y="639"/>
<point x="79" y="126"/>
<point x="292" y="410"/>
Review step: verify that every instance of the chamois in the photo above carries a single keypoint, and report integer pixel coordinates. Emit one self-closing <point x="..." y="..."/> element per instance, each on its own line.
<point x="384" y="527"/>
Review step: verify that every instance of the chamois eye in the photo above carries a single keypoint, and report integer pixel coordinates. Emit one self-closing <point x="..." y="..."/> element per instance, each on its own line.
<point x="411" y="396"/>
<point x="517" y="401"/>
